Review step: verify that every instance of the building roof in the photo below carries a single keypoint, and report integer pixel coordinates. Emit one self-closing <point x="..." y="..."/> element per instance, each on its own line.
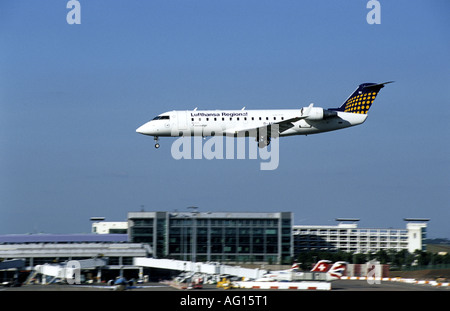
<point x="63" y="238"/>
<point x="212" y="215"/>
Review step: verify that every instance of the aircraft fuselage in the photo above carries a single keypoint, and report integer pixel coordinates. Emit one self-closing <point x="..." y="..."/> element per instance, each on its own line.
<point x="230" y="122"/>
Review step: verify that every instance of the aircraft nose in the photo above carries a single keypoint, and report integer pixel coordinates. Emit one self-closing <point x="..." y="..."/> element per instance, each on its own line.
<point x="146" y="129"/>
<point x="140" y="129"/>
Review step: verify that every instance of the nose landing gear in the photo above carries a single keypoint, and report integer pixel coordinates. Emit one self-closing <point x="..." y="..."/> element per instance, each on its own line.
<point x="156" y="138"/>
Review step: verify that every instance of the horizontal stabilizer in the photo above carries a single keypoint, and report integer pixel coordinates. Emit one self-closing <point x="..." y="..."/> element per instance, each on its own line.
<point x="381" y="85"/>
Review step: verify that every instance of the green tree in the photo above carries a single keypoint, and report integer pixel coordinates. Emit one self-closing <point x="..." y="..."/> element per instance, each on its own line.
<point x="382" y="256"/>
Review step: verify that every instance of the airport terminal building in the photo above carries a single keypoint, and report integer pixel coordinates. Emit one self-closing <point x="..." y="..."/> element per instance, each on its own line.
<point x="262" y="237"/>
<point x="215" y="236"/>
<point x="38" y="249"/>
<point x="346" y="236"/>
<point x="226" y="237"/>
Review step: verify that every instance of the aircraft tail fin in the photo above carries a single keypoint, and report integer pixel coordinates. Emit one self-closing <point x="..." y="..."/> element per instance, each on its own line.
<point x="322" y="266"/>
<point x="295" y="266"/>
<point x="362" y="98"/>
<point x="338" y="269"/>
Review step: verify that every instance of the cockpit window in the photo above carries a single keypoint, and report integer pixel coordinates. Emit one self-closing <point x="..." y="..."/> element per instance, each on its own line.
<point x="162" y="118"/>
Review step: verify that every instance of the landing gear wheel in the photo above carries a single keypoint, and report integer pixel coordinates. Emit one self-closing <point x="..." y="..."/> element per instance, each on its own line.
<point x="157" y="146"/>
<point x="263" y="142"/>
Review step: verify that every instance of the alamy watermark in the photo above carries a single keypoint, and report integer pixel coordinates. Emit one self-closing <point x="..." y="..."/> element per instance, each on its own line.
<point x="373" y="272"/>
<point x="74" y="15"/>
<point x="72" y="272"/>
<point x="374" y="15"/>
<point x="197" y="146"/>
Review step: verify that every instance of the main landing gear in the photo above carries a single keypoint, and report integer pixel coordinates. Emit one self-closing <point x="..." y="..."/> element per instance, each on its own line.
<point x="263" y="141"/>
<point x="156" y="138"/>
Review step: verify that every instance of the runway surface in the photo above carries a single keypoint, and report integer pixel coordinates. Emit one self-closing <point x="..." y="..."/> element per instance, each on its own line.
<point x="337" y="286"/>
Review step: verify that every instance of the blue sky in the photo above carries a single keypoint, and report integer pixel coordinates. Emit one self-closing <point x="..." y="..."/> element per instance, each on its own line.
<point x="71" y="97"/>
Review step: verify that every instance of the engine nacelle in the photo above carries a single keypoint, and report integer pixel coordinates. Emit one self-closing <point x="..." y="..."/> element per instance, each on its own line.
<point x="317" y="113"/>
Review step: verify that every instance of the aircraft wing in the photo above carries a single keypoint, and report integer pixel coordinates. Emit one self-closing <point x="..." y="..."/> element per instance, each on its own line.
<point x="287" y="124"/>
<point x="282" y="126"/>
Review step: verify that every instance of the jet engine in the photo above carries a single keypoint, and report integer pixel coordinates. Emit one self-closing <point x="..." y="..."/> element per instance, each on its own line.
<point x="316" y="113"/>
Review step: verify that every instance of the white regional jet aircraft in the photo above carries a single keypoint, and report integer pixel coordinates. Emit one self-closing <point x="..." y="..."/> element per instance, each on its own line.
<point x="264" y="124"/>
